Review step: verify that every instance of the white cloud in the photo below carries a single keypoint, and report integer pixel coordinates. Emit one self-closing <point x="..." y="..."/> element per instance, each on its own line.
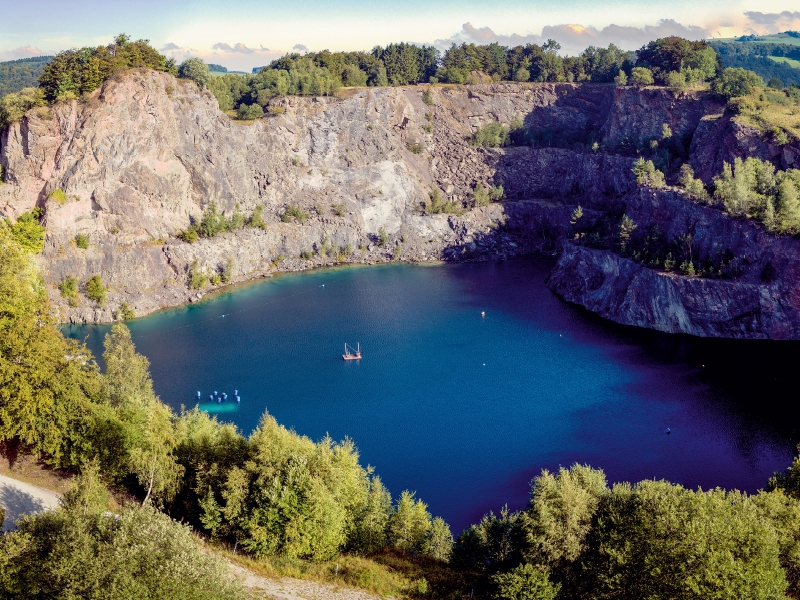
<point x="299" y="48"/>
<point x="26" y="51"/>
<point x="773" y="22"/>
<point x="575" y="38"/>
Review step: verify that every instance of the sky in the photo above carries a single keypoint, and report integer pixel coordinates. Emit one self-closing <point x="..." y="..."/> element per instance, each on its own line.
<point x="242" y="34"/>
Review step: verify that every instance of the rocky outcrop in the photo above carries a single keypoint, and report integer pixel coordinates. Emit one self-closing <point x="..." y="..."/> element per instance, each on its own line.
<point x="146" y="155"/>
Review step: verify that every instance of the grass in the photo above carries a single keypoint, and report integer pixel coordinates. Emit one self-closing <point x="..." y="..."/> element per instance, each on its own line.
<point x="789" y="61"/>
<point x="768" y="110"/>
<point x="385" y="574"/>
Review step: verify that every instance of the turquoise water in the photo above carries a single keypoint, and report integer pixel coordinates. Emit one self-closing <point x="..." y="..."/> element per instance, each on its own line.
<point x="465" y="409"/>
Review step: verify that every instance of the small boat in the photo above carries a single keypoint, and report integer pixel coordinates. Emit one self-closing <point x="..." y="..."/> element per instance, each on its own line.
<point x="349" y="354"/>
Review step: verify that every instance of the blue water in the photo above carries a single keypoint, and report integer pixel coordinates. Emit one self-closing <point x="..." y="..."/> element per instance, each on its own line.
<point x="466" y="409"/>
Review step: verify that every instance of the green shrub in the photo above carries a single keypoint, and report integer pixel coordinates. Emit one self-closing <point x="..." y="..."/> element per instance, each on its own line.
<point x="198" y="278"/>
<point x="676" y="81"/>
<point x="416" y="148"/>
<point x="257" y="218"/>
<point x="427" y="128"/>
<point x="294" y="212"/>
<point x="28" y="232"/>
<point x="226" y="275"/>
<point x="212" y="222"/>
<point x="248" y="112"/>
<point x="427" y="97"/>
<point x="82" y="241"/>
<point x="215" y="279"/>
<point x="306" y="255"/>
<point x="196" y="70"/>
<point x="57" y="195"/>
<point x="125" y="312"/>
<point x="480" y="197"/>
<point x="694" y="187"/>
<point x="95" y="290"/>
<point x="647" y="174"/>
<point x="383" y="237"/>
<point x="338" y="209"/>
<point x="69" y="289"/>
<point x="275" y="111"/>
<point x="491" y="135"/>
<point x="189" y="235"/>
<point x="621" y="79"/>
<point x="525" y="582"/>
<point x="436" y="205"/>
<point x="734" y="82"/>
<point x="496" y="192"/>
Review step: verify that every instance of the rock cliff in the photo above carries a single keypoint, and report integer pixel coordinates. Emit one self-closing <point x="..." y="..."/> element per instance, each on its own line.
<point x="146" y="154"/>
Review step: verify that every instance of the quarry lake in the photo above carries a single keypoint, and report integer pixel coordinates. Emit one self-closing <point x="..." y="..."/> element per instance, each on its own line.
<point x="466" y="409"/>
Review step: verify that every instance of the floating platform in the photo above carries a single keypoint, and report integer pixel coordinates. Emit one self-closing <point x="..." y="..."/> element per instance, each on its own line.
<point x="350" y="354"/>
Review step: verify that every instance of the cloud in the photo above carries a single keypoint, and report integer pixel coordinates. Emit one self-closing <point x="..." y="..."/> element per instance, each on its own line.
<point x="299" y="48"/>
<point x="774" y="22"/>
<point x="21" y="52"/>
<point x="575" y="38"/>
<point x="239" y="48"/>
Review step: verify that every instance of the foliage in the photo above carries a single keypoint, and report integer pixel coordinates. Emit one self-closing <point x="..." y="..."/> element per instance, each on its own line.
<point x="677" y="55"/>
<point x="753" y="188"/>
<point x="189" y="235"/>
<point x="480" y="196"/>
<point x="383" y="237"/>
<point x="436" y="205"/>
<point x="647" y="174"/>
<point x="694" y="187"/>
<point x="82" y="241"/>
<point x="248" y="112"/>
<point x="491" y="135"/>
<point x="427" y="98"/>
<point x="257" y="218"/>
<point x="82" y="553"/>
<point x="46" y="382"/>
<point x="494" y="544"/>
<point x="642" y="76"/>
<point x="227" y="271"/>
<point x="57" y="195"/>
<point x="761" y="58"/>
<point x="28" y="232"/>
<point x="75" y="72"/>
<point x="95" y="290"/>
<point x="621" y="79"/>
<point x="525" y="582"/>
<point x="125" y="312"/>
<point x="198" y="278"/>
<point x="196" y="70"/>
<point x="13" y="106"/>
<point x="16" y="75"/>
<point x="294" y="212"/>
<point x="69" y="289"/>
<point x="734" y="82"/>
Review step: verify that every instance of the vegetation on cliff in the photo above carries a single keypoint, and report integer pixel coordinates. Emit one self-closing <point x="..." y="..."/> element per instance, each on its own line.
<point x="16" y="75"/>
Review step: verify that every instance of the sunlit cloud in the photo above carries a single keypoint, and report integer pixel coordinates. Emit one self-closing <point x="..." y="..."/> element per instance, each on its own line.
<point x="27" y="51"/>
<point x="773" y="22"/>
<point x="299" y="48"/>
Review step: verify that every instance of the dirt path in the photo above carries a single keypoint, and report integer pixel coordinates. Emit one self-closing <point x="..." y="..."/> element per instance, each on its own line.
<point x="19" y="498"/>
<point x="287" y="588"/>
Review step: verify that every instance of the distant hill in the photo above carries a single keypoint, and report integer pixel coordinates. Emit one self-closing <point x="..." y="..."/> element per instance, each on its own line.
<point x="22" y="73"/>
<point x="771" y="56"/>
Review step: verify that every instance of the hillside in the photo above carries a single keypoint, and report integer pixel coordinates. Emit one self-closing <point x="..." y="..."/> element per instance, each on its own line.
<point x="23" y="73"/>
<point x="351" y="179"/>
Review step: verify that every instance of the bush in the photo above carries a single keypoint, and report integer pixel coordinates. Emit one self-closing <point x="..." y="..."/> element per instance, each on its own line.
<point x="427" y="98"/>
<point x="525" y="582"/>
<point x="69" y="289"/>
<point x="82" y="241"/>
<point x="196" y="70"/>
<point x="735" y="82"/>
<point x="383" y="237"/>
<point x="491" y="135"/>
<point x="189" y="235"/>
<point x="694" y="187"/>
<point x="676" y="81"/>
<point x="257" y="218"/>
<point x="522" y="74"/>
<point x="28" y="232"/>
<point x="95" y="290"/>
<point x="248" y="112"/>
<point x="125" y="312"/>
<point x="338" y="209"/>
<point x="198" y="278"/>
<point x="647" y="174"/>
<point x="416" y="148"/>
<point x="480" y="197"/>
<point x="14" y="106"/>
<point x="621" y="79"/>
<point x="57" y="195"/>
<point x="294" y="212"/>
<point x="642" y="76"/>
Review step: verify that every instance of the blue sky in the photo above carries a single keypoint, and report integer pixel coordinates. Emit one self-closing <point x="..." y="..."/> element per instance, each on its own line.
<point x="246" y="33"/>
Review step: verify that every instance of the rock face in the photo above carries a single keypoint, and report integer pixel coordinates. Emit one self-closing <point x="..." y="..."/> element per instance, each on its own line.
<point x="146" y="155"/>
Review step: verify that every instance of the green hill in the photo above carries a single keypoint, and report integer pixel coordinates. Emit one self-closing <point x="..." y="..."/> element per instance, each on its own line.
<point x="775" y="56"/>
<point x="18" y="74"/>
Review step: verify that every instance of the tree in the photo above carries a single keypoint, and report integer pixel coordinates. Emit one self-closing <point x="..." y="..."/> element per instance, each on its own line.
<point x="28" y="232"/>
<point x="561" y="512"/>
<point x="626" y="229"/>
<point x="642" y="76"/>
<point x="734" y="82"/>
<point x="87" y="493"/>
<point x="438" y="542"/>
<point x="409" y="524"/>
<point x="196" y="70"/>
<point x="647" y="174"/>
<point x="47" y="383"/>
<point x="138" y="553"/>
<point x="14" y="106"/>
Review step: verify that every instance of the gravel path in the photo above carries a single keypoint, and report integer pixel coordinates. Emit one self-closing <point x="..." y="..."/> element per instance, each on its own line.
<point x="287" y="588"/>
<point x="19" y="498"/>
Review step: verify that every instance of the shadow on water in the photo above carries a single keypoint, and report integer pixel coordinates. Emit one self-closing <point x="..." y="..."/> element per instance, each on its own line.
<point x="464" y="408"/>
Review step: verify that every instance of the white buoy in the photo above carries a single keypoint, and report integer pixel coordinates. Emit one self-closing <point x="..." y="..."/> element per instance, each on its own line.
<point x="198" y="394"/>
<point x="483" y="313"/>
<point x="235" y="392"/>
<point x="238" y="399"/>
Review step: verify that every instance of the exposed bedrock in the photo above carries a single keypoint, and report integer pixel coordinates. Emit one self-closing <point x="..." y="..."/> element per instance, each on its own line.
<point x="146" y="154"/>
